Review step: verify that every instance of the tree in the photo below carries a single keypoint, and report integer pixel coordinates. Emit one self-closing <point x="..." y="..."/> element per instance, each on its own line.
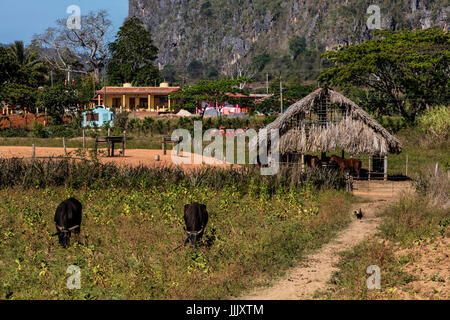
<point x="195" y="69"/>
<point x="132" y="55"/>
<point x="83" y="50"/>
<point x="31" y="69"/>
<point x="169" y="73"/>
<point x="410" y="69"/>
<point x="8" y="67"/>
<point x="297" y="45"/>
<point x="260" y="61"/>
<point x="19" y="95"/>
<point x="213" y="91"/>
<point x="58" y="100"/>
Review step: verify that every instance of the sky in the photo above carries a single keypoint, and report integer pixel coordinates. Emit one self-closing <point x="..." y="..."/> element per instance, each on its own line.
<point x="21" y="19"/>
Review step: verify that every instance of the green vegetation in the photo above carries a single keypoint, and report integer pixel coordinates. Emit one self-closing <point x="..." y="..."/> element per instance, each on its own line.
<point x="436" y="123"/>
<point x="297" y="45"/>
<point x="408" y="69"/>
<point x="212" y="90"/>
<point x="133" y="220"/>
<point x="133" y="55"/>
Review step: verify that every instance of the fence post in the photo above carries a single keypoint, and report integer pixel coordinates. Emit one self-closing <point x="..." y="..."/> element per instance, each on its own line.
<point x="164" y="146"/>
<point x="124" y="141"/>
<point x="303" y="162"/>
<point x="370" y="168"/>
<point x="406" y="170"/>
<point x="385" y="168"/>
<point x="84" y="140"/>
<point x="436" y="169"/>
<point x="64" y="146"/>
<point x="33" y="154"/>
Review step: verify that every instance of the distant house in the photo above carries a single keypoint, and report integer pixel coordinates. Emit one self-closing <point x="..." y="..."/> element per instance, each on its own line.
<point x="129" y="98"/>
<point x="97" y="117"/>
<point x="225" y="108"/>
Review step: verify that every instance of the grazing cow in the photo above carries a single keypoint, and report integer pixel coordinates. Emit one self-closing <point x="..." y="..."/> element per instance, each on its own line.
<point x="352" y="164"/>
<point x="67" y="219"/>
<point x="195" y="217"/>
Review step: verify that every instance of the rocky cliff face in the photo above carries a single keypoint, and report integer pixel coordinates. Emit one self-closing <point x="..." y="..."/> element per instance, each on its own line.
<point x="226" y="33"/>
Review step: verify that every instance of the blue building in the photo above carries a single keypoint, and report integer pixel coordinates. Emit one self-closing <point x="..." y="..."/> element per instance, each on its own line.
<point x="98" y="117"/>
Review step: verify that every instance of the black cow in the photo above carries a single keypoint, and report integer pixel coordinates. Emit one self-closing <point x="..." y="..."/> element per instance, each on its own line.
<point x="68" y="219"/>
<point x="196" y="218"/>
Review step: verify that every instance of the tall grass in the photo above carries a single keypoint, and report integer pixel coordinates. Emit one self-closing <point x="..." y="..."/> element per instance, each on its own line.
<point x="77" y="174"/>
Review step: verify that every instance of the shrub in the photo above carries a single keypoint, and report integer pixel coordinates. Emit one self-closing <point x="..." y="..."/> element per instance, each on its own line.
<point x="64" y="172"/>
<point x="434" y="184"/>
<point x="121" y="120"/>
<point x="39" y="130"/>
<point x="435" y="123"/>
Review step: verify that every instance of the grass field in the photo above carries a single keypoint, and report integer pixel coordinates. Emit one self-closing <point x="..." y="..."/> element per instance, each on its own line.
<point x="128" y="234"/>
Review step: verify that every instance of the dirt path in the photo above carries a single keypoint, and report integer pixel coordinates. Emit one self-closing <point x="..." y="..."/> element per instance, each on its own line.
<point x="315" y="270"/>
<point x="133" y="157"/>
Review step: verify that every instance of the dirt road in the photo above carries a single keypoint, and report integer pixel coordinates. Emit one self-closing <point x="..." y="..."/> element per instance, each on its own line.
<point x="132" y="157"/>
<point x="315" y="270"/>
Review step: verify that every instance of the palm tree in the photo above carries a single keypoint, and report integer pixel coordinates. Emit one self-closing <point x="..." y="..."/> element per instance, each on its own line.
<point x="32" y="69"/>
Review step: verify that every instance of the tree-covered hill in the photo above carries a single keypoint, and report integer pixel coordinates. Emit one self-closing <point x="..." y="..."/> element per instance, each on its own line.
<point x="206" y="38"/>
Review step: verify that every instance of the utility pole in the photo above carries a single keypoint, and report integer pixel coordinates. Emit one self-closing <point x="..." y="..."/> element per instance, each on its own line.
<point x="104" y="96"/>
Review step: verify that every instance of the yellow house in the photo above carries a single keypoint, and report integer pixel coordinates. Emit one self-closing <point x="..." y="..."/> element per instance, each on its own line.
<point x="131" y="98"/>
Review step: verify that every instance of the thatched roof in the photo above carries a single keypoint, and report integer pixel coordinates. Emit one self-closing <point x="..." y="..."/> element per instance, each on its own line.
<point x="355" y="132"/>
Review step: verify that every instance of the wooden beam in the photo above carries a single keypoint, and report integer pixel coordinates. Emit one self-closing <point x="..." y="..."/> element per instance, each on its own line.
<point x="303" y="162"/>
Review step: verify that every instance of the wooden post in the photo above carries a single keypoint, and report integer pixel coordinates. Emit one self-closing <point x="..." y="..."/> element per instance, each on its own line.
<point x="164" y="146"/>
<point x="64" y="146"/>
<point x="303" y="162"/>
<point x="124" y="143"/>
<point x="33" y="154"/>
<point x="109" y="132"/>
<point x="370" y="168"/>
<point x="436" y="169"/>
<point x="406" y="169"/>
<point x="385" y="168"/>
<point x="84" y="140"/>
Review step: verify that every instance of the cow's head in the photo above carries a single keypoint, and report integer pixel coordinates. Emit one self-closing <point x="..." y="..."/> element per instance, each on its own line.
<point x="63" y="236"/>
<point x="64" y="239"/>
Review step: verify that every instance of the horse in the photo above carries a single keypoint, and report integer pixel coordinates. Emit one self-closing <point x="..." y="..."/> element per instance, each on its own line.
<point x="312" y="161"/>
<point x="352" y="164"/>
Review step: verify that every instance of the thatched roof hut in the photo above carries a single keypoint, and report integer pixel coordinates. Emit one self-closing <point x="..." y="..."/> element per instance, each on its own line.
<point x="326" y="120"/>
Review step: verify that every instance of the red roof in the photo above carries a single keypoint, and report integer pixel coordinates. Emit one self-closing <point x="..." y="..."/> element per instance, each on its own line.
<point x="139" y="90"/>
